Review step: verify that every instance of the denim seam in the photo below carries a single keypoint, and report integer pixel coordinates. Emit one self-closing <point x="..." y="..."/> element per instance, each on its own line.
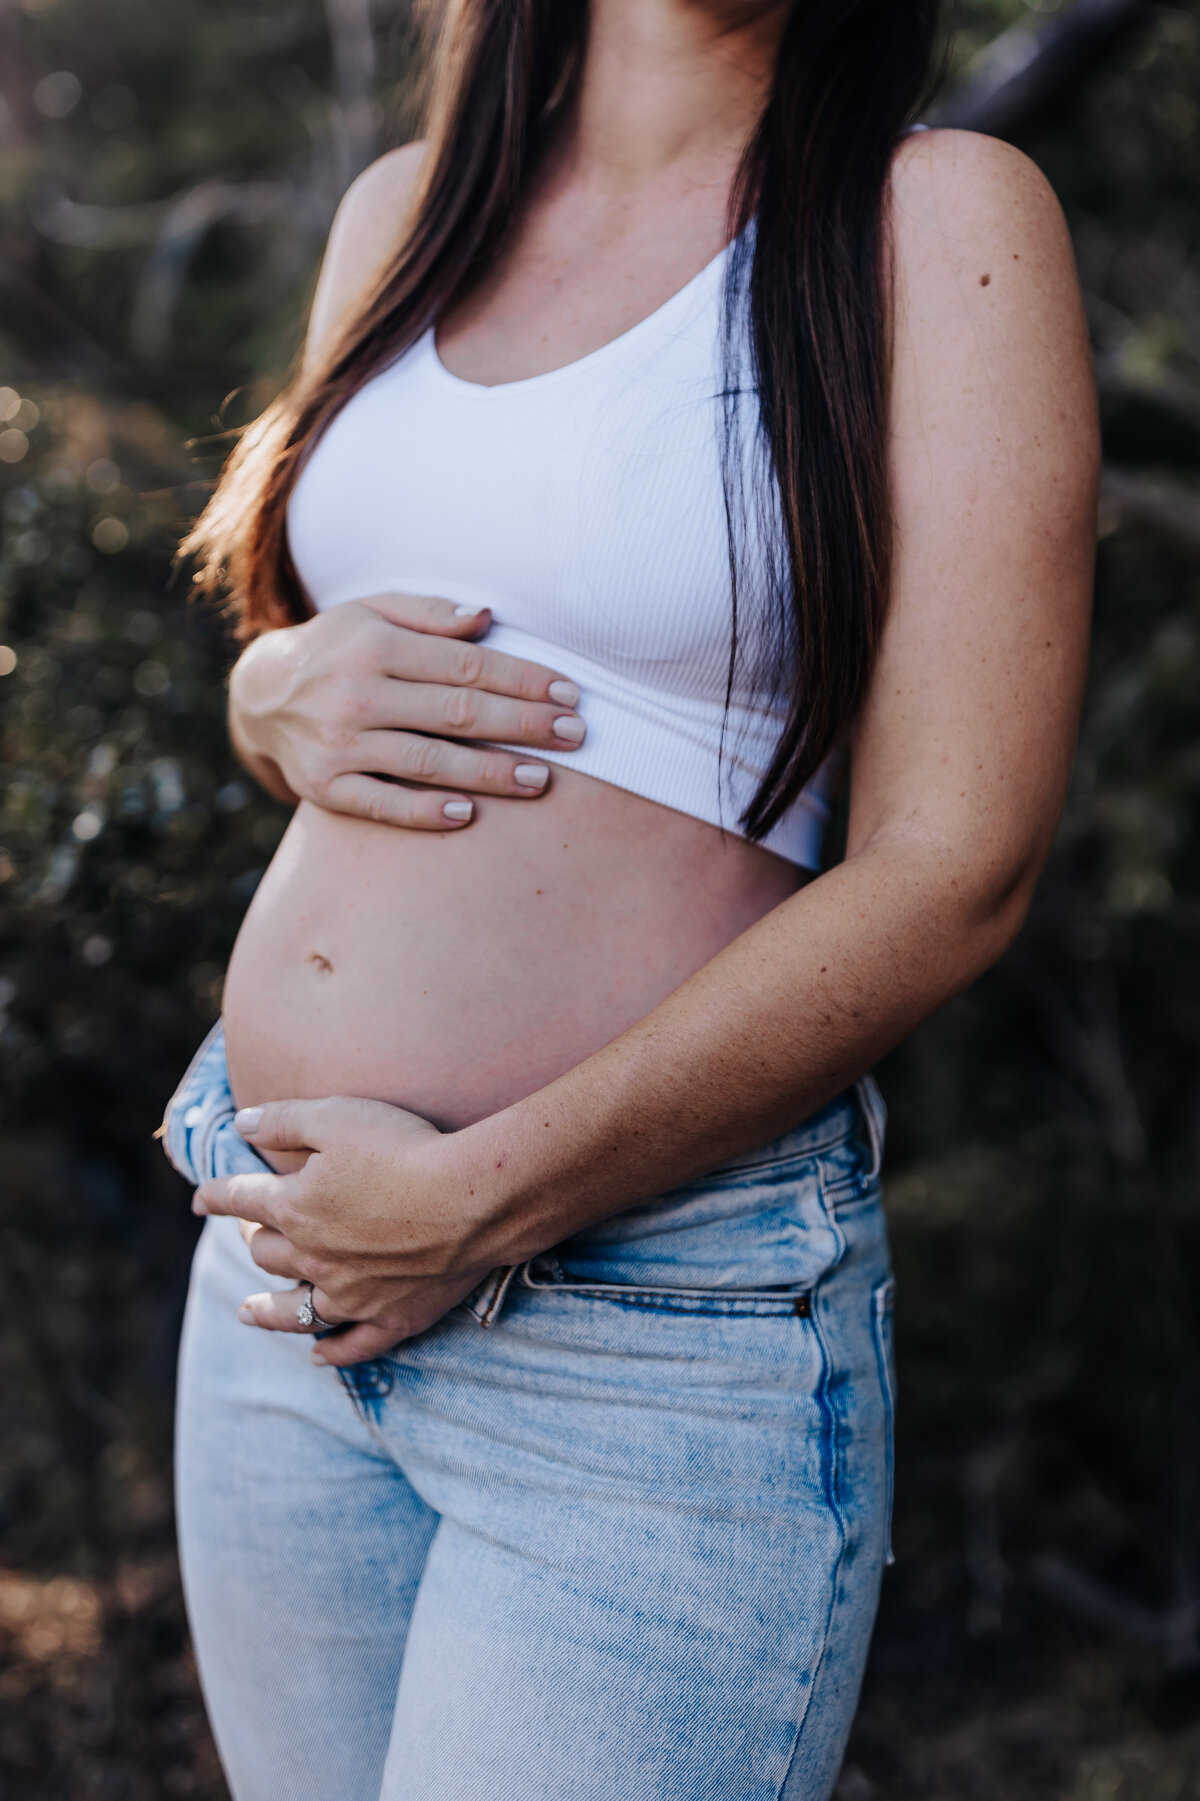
<point x="882" y="1296"/>
<point x="874" y="1112"/>
<point x="368" y="1385"/>
<point x="827" y="1189"/>
<point x="847" y="1189"/>
<point x="638" y="1301"/>
<point x="485" y="1302"/>
<point x="717" y="1301"/>
<point x="831" y="1467"/>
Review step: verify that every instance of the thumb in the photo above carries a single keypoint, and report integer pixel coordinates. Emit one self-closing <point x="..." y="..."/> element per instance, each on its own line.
<point x="281" y="1125"/>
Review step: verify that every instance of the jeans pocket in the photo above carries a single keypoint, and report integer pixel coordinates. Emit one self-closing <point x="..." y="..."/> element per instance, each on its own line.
<point x="883" y="1297"/>
<point x="547" y="1275"/>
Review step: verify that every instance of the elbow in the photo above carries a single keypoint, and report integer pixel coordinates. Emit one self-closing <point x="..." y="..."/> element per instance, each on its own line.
<point x="998" y="903"/>
<point x="967" y="898"/>
<point x="1004" y="921"/>
<point x="959" y="888"/>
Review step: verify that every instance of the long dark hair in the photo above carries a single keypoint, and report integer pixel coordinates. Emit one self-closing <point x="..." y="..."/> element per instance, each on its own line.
<point x="814" y="282"/>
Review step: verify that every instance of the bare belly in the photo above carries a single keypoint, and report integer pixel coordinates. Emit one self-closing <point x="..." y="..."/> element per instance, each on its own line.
<point x="456" y="974"/>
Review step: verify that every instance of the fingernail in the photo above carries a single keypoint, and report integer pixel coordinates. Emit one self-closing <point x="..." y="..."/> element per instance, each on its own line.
<point x="245" y="1314"/>
<point x="570" y="728"/>
<point x="247" y="1120"/>
<point x="564" y="694"/>
<point x="198" y="1206"/>
<point x="458" y="809"/>
<point x="531" y="775"/>
<point x="317" y="1358"/>
<point x="471" y="613"/>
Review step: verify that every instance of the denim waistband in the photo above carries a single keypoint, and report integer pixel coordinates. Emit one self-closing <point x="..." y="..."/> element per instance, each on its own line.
<point x="197" y="1130"/>
<point x="762" y="1219"/>
<point x="197" y="1145"/>
<point x="821" y="1130"/>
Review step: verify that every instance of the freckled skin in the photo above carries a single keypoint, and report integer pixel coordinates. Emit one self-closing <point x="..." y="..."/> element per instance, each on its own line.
<point x="668" y="1005"/>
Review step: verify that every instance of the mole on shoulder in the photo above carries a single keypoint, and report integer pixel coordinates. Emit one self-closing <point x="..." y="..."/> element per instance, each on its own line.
<point x="984" y="280"/>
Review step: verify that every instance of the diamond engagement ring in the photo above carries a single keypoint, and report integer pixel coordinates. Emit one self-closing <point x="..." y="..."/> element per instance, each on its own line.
<point x="307" y="1314"/>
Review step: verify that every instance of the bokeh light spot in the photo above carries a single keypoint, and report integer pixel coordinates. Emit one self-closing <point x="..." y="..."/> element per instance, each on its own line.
<point x="57" y="95"/>
<point x="110" y="535"/>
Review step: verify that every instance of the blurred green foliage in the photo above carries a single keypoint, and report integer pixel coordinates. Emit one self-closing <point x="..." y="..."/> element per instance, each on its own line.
<point x="167" y="172"/>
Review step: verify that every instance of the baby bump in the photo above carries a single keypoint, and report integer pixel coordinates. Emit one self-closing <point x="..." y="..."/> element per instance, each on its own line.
<point x="454" y="974"/>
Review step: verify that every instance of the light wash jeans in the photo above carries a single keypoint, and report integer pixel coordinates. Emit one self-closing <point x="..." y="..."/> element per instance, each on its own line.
<point x="624" y="1544"/>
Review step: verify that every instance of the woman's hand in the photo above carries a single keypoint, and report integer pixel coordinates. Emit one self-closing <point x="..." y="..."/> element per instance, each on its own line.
<point x="375" y="693"/>
<point x="374" y="1219"/>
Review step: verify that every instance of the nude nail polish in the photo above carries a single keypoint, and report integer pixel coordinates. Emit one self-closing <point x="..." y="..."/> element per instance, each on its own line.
<point x="458" y="809"/>
<point x="531" y="775"/>
<point x="573" y="730"/>
<point x="564" y="694"/>
<point x="468" y="612"/>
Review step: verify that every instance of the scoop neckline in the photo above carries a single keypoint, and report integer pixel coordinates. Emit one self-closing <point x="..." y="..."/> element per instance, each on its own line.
<point x="481" y="390"/>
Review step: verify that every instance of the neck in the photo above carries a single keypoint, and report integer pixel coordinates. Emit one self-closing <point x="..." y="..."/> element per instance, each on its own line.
<point x="671" y="91"/>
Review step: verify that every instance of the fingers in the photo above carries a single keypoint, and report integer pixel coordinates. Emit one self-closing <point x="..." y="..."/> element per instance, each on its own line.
<point x="277" y="1311"/>
<point x="272" y="1252"/>
<point x="443" y="763"/>
<point x="427" y="613"/>
<point x="367" y="797"/>
<point x="254" y="1198"/>
<point x="356" y="1345"/>
<point x="435" y="657"/>
<point x="459" y="711"/>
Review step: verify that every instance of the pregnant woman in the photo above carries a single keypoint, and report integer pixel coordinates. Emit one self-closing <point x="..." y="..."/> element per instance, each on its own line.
<point x="674" y="426"/>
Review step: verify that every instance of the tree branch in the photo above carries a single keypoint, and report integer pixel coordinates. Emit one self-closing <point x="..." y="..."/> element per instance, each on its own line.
<point x="1032" y="67"/>
<point x="1129" y="500"/>
<point x="1170" y="1630"/>
<point x="352" y="42"/>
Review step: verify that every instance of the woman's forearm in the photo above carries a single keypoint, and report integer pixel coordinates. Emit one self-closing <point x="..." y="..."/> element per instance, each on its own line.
<point x="782" y="1020"/>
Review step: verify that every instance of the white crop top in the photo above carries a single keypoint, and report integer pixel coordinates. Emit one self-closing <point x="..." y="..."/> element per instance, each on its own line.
<point x="585" y="508"/>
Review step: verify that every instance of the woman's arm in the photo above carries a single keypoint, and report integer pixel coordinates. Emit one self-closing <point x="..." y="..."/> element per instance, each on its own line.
<point x="389" y="686"/>
<point x="960" y="765"/>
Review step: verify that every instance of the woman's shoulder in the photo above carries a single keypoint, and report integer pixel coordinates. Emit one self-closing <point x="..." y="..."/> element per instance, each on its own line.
<point x="367" y="231"/>
<point x="957" y="194"/>
<point x="982" y="255"/>
<point x="992" y="372"/>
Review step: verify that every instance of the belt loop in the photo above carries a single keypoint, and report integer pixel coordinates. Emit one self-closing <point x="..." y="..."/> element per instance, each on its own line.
<point x="489" y="1297"/>
<point x="874" y="1109"/>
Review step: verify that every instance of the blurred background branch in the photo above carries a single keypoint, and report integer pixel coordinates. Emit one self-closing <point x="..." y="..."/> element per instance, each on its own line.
<point x="1035" y="65"/>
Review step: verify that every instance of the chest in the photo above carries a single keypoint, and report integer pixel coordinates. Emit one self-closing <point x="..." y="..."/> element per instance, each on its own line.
<point x="586" y="507"/>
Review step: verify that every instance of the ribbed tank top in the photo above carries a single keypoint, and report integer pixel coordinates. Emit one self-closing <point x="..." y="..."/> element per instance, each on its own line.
<point x="585" y="507"/>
